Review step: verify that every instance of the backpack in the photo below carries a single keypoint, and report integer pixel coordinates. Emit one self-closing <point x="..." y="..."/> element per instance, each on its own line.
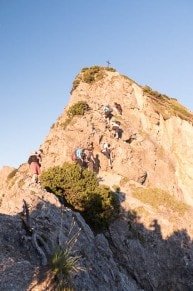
<point x="107" y="109"/>
<point x="32" y="159"/>
<point x="104" y="147"/>
<point x="78" y="153"/>
<point x="73" y="156"/>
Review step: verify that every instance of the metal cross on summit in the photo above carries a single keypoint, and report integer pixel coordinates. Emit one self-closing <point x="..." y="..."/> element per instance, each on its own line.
<point x="108" y="63"/>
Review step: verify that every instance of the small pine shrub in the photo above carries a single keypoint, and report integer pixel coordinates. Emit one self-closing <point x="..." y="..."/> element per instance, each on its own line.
<point x="166" y="106"/>
<point x="78" y="108"/>
<point x="66" y="122"/>
<point x="80" y="189"/>
<point x="75" y="84"/>
<point x="110" y="69"/>
<point x="90" y="75"/>
<point x="52" y="126"/>
<point x="12" y="174"/>
<point x="84" y="69"/>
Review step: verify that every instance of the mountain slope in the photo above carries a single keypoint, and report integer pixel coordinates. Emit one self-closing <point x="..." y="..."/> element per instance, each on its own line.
<point x="159" y="138"/>
<point x="150" y="246"/>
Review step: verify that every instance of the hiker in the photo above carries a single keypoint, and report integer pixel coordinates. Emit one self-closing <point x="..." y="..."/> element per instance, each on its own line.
<point x="90" y="161"/>
<point x="39" y="156"/>
<point x="80" y="157"/>
<point x="34" y="166"/>
<point x="90" y="146"/>
<point x="118" y="108"/>
<point x="108" y="113"/>
<point x="107" y="151"/>
<point x="90" y="156"/>
<point x="97" y="165"/>
<point x="116" y="128"/>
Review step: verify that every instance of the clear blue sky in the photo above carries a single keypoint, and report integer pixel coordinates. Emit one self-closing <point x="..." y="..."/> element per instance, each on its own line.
<point x="45" y="43"/>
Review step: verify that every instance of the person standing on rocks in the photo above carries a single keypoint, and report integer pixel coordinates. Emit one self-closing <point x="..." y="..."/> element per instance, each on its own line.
<point x="108" y="113"/>
<point x="118" y="108"/>
<point x="107" y="151"/>
<point x="39" y="156"/>
<point x="116" y="128"/>
<point x="90" y="157"/>
<point x="34" y="166"/>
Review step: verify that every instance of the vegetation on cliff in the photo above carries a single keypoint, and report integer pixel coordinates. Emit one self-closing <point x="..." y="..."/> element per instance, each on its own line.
<point x="166" y="106"/>
<point x="90" y="75"/>
<point x="80" y="190"/>
<point x="78" y="108"/>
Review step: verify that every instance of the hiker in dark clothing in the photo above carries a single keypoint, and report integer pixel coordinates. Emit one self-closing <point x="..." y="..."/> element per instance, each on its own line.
<point x="118" y="108"/>
<point x="90" y="156"/>
<point x="39" y="156"/>
<point x="90" y="160"/>
<point x="107" y="151"/>
<point x="116" y="128"/>
<point x="108" y="113"/>
<point x="97" y="165"/>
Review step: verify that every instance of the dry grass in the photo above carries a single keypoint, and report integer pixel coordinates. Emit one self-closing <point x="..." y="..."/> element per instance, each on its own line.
<point x="166" y="106"/>
<point x="159" y="198"/>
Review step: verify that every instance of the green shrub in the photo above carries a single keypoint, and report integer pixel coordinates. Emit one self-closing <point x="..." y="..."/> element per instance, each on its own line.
<point x="80" y="189"/>
<point x="90" y="75"/>
<point x="78" y="108"/>
<point x="12" y="174"/>
<point x="166" y="106"/>
<point x="75" y="84"/>
<point x="110" y="69"/>
<point x="66" y="122"/>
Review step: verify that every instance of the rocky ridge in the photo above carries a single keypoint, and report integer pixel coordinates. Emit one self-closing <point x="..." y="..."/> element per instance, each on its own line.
<point x="139" y="250"/>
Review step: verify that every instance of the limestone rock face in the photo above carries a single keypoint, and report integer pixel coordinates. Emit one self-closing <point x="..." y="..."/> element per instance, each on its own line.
<point x="22" y="267"/>
<point x="158" y="147"/>
<point x="149" y="247"/>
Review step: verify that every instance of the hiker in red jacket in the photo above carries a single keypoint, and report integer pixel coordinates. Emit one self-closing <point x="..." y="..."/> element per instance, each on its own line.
<point x="34" y="166"/>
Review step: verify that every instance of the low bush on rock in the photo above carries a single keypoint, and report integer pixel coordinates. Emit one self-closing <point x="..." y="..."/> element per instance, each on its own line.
<point x="80" y="190"/>
<point x="78" y="108"/>
<point x="12" y="174"/>
<point x="91" y="75"/>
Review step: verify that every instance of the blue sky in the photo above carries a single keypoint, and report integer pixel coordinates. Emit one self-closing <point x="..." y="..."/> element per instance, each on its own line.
<point x="44" y="44"/>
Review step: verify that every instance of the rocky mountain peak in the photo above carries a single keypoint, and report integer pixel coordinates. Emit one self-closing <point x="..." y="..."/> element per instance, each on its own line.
<point x="151" y="166"/>
<point x="156" y="132"/>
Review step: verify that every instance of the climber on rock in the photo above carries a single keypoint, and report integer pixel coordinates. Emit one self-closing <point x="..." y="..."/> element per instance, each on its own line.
<point x="116" y="128"/>
<point x="34" y="165"/>
<point x="118" y="108"/>
<point x="90" y="160"/>
<point x="107" y="151"/>
<point x="80" y="157"/>
<point x="108" y="113"/>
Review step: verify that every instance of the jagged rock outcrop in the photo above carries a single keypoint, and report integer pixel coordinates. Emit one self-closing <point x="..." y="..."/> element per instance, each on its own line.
<point x="21" y="262"/>
<point x="157" y="147"/>
<point x="150" y="246"/>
